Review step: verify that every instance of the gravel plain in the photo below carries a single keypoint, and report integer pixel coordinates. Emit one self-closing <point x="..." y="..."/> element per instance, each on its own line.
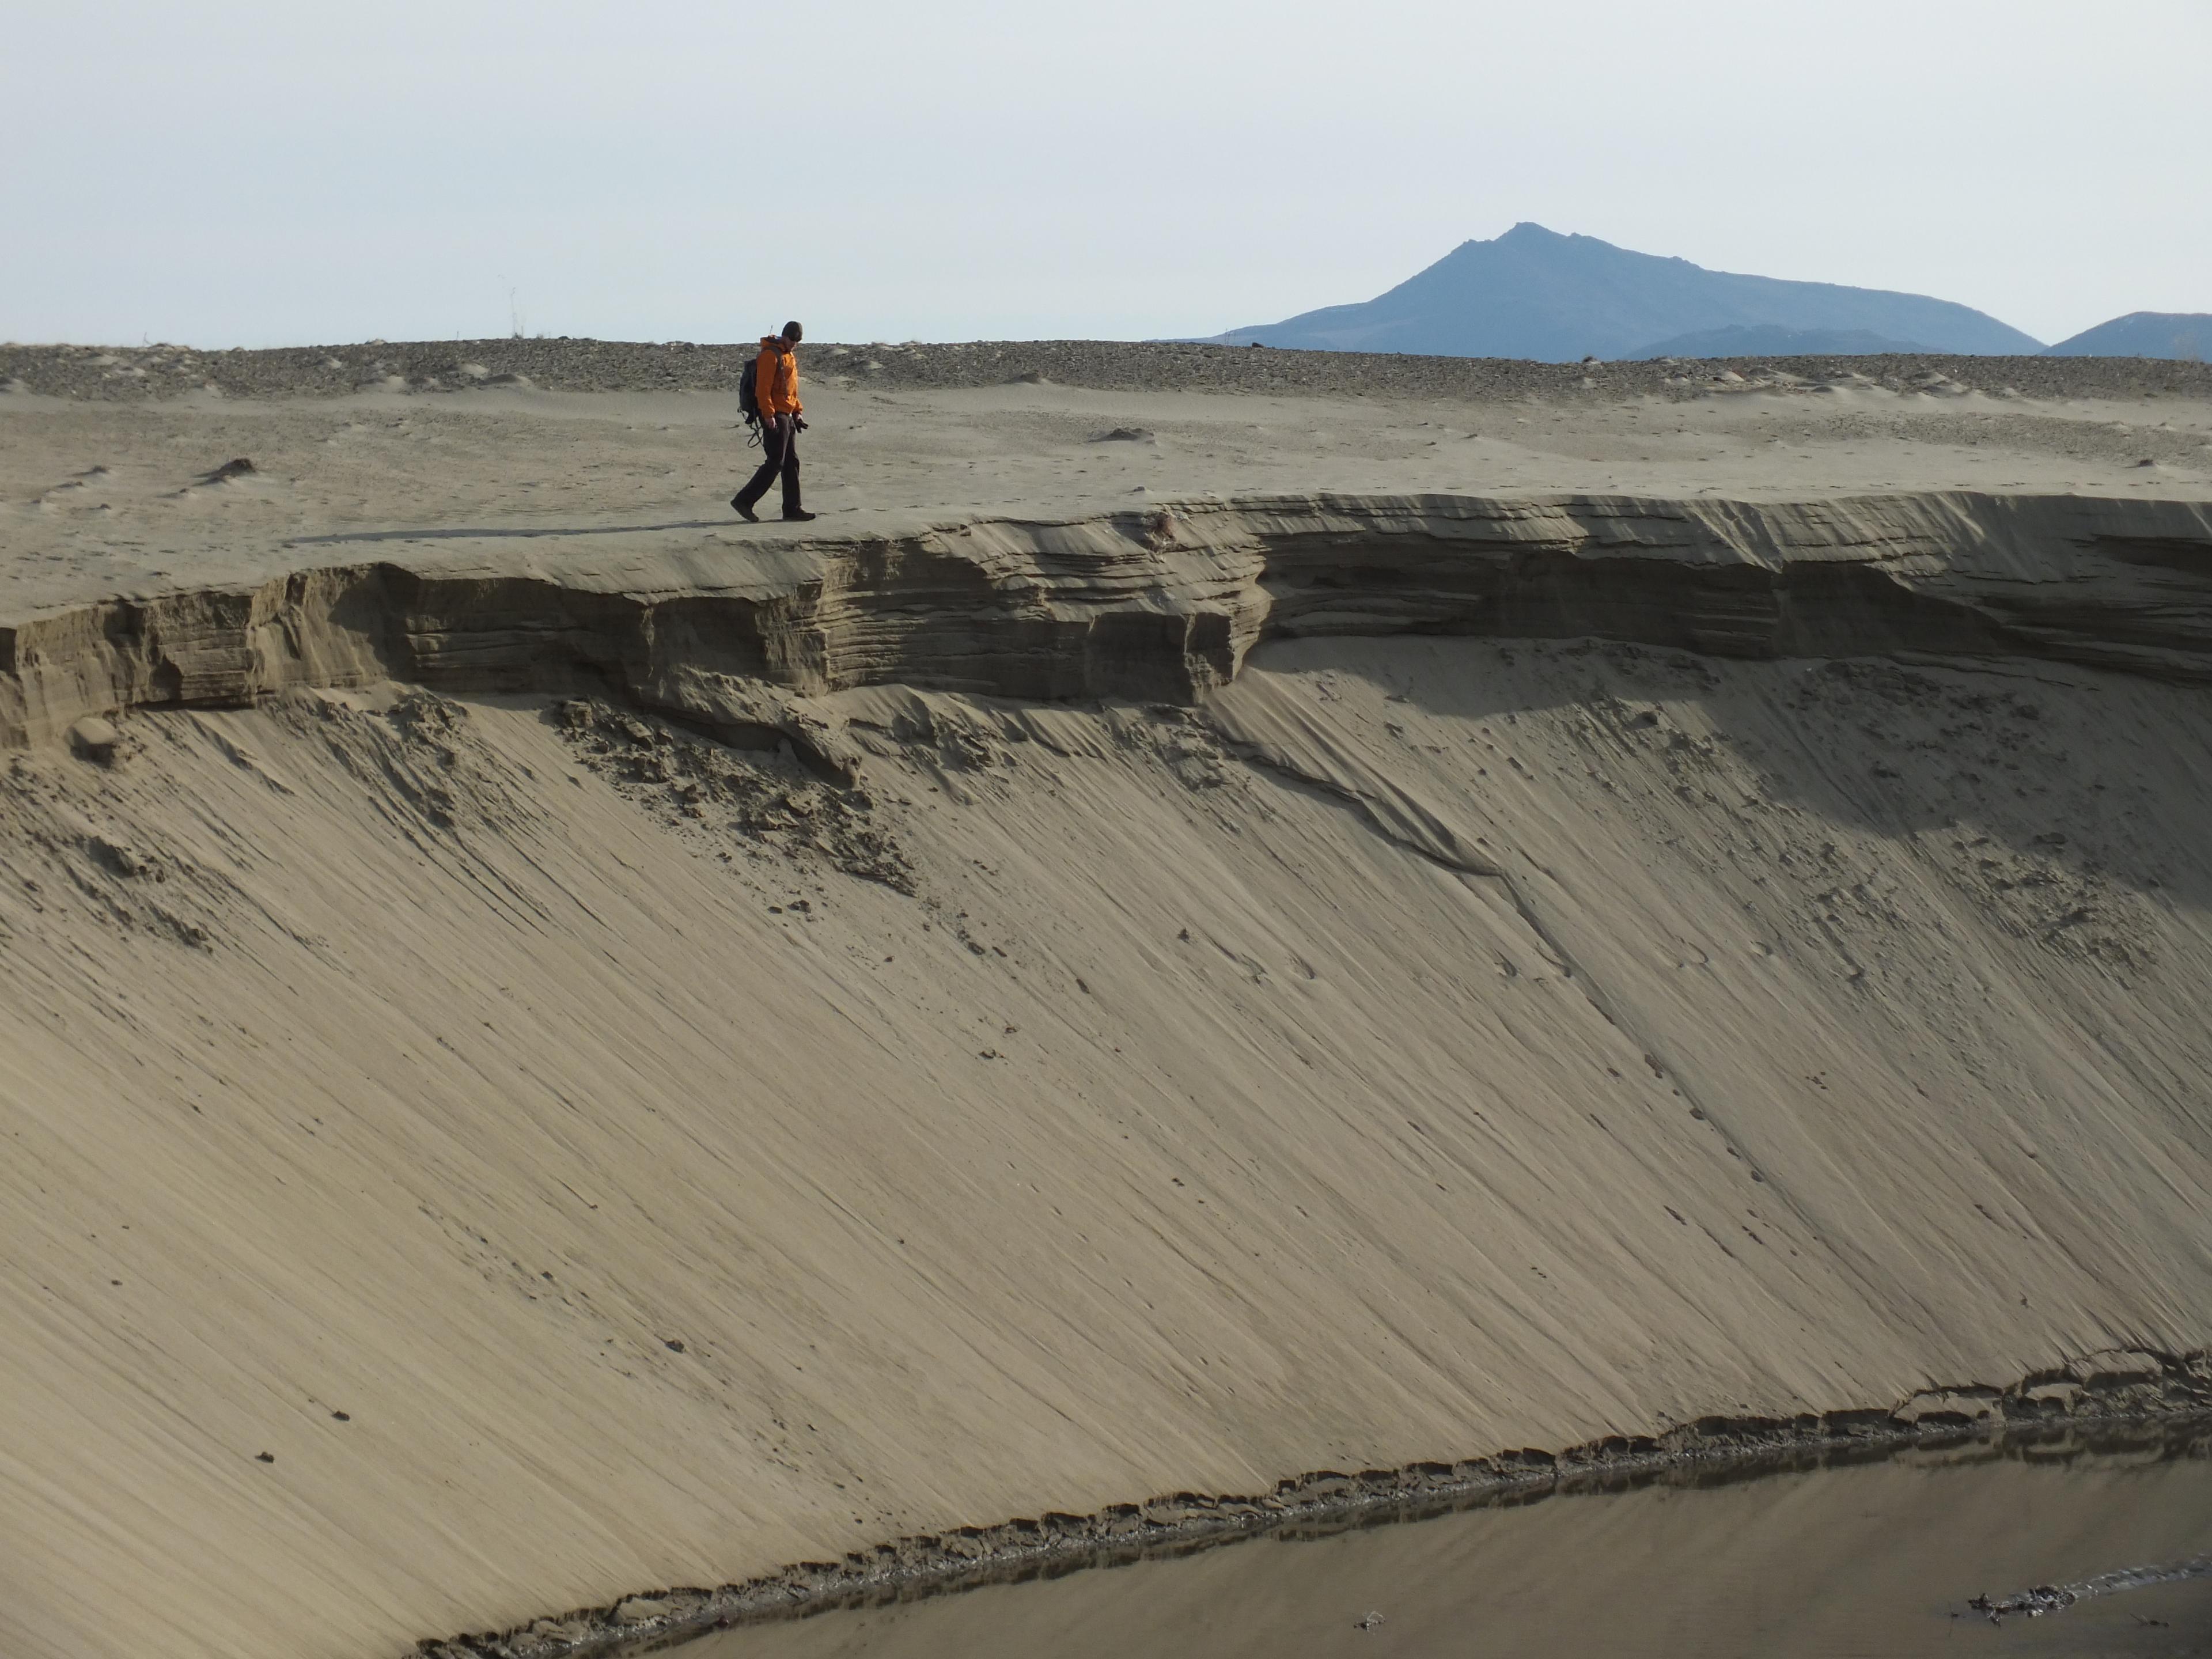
<point x="123" y="373"/>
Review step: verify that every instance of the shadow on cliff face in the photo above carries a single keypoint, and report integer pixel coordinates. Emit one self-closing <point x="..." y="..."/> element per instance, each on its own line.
<point x="2056" y="793"/>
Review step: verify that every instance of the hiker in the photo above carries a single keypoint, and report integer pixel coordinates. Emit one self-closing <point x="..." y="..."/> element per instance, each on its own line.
<point x="776" y="388"/>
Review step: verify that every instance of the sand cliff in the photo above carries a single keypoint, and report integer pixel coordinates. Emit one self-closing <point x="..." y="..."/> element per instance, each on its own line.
<point x="1373" y="1043"/>
<point x="1167" y="603"/>
<point x="532" y="1081"/>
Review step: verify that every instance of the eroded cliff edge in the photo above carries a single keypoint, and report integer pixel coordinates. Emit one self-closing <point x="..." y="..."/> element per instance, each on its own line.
<point x="1164" y="604"/>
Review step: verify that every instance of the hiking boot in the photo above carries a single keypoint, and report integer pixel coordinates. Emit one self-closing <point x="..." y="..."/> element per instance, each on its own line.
<point x="799" y="517"/>
<point x="745" y="512"/>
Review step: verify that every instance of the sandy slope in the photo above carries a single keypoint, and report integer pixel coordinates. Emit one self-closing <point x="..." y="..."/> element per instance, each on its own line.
<point x="671" y="1165"/>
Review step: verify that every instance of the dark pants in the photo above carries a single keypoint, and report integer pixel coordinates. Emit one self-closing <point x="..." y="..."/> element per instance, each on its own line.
<point x="781" y="445"/>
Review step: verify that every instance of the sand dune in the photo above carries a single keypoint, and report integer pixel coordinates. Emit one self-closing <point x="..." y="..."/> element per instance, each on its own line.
<point x="538" y="1073"/>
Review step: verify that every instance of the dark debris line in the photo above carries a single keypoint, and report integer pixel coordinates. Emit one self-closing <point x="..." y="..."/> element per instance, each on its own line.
<point x="2056" y="1598"/>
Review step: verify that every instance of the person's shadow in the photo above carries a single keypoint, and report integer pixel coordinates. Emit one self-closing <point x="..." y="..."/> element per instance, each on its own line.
<point x="527" y="532"/>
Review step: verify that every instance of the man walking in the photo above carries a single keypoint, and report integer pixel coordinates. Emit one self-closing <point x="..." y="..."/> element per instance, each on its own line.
<point x="776" y="388"/>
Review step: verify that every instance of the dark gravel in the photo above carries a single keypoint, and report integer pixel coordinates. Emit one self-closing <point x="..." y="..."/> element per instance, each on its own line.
<point x="133" y="372"/>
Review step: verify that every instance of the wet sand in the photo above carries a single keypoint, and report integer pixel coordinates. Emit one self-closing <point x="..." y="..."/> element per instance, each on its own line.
<point x="1875" y="1561"/>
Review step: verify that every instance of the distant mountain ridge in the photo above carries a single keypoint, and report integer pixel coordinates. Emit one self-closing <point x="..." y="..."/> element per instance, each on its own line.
<point x="2178" y="334"/>
<point x="1535" y="294"/>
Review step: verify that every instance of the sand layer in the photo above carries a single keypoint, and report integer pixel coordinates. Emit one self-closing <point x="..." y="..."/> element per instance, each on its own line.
<point x="1168" y="603"/>
<point x="537" y="1070"/>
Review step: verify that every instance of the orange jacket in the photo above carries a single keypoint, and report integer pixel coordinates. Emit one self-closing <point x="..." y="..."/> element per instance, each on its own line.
<point x="775" y="378"/>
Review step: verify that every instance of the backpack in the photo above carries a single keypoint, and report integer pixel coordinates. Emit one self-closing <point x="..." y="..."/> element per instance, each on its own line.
<point x="749" y="395"/>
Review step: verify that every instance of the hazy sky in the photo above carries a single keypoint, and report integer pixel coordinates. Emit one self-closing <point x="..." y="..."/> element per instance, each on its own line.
<point x="261" y="172"/>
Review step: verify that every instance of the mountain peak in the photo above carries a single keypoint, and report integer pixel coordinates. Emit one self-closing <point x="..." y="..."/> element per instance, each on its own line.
<point x="1581" y="297"/>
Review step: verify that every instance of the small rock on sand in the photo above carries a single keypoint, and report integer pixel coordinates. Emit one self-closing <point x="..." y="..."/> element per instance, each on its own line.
<point x="93" y="739"/>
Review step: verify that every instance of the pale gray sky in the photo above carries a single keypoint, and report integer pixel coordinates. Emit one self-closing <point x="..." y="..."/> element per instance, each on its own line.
<point x="266" y="171"/>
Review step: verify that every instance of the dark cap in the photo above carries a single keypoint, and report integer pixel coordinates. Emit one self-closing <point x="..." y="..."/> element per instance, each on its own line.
<point x="793" y="332"/>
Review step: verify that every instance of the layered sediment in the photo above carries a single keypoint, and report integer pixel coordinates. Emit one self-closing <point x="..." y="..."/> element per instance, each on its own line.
<point x="1167" y="603"/>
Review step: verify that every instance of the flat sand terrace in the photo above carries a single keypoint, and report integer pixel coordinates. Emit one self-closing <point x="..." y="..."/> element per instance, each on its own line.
<point x="115" y="493"/>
